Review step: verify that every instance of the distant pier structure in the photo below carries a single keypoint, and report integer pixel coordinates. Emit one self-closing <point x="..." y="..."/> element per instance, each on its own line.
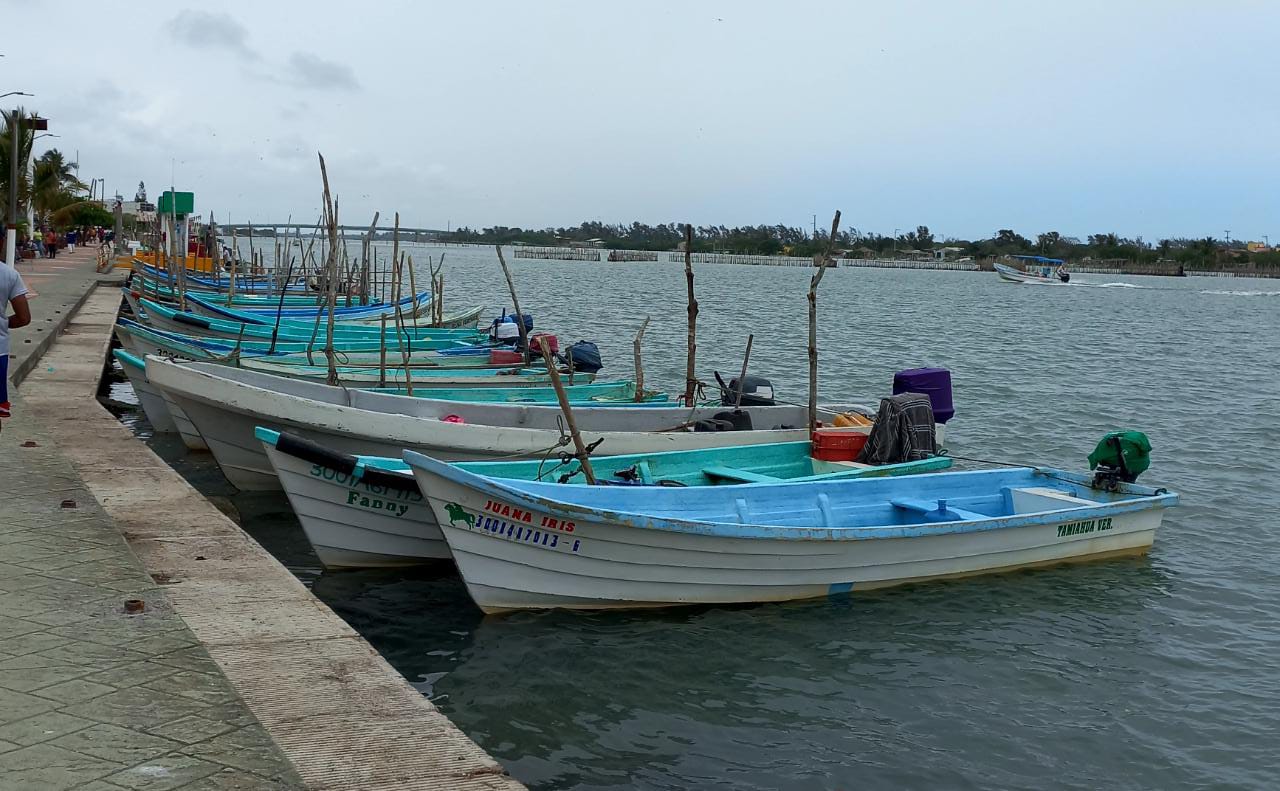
<point x="905" y="263"/>
<point x="380" y="232"/>
<point x="558" y="253"/>
<point x="632" y="255"/>
<point x="750" y="260"/>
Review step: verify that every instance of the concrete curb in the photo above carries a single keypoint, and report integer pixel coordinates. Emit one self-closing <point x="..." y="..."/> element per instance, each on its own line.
<point x="341" y="715"/>
<point x="33" y="353"/>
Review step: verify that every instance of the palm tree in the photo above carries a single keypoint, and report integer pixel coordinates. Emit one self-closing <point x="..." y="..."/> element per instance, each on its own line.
<point x="25" y="137"/>
<point x="55" y="183"/>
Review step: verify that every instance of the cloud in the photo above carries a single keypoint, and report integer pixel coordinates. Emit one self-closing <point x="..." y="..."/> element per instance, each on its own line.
<point x="312" y="71"/>
<point x="212" y="31"/>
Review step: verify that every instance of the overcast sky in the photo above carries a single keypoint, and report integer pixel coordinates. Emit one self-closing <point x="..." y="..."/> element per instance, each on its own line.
<point x="1154" y="118"/>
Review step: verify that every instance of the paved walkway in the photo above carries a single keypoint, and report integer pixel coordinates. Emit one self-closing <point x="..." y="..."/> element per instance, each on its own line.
<point x="58" y="286"/>
<point x="92" y="697"/>
<point x="233" y="677"/>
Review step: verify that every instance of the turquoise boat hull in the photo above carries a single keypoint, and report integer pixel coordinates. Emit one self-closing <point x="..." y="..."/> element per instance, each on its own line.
<point x="767" y="463"/>
<point x="168" y="319"/>
<point x="190" y="347"/>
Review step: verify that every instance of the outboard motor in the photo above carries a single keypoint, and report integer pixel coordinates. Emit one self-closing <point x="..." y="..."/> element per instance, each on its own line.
<point x="933" y="382"/>
<point x="1120" y="457"/>
<point x="1064" y="276"/>
<point x="505" y="330"/>
<point x="583" y="356"/>
<point x="756" y="391"/>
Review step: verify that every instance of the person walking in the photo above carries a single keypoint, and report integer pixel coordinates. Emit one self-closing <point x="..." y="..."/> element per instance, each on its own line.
<point x="12" y="292"/>
<point x="50" y="244"/>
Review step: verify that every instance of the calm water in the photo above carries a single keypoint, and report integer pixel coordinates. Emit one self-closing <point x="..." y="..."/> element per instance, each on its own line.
<point x="1154" y="673"/>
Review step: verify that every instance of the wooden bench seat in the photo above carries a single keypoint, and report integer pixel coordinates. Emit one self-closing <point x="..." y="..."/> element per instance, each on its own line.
<point x="739" y="476"/>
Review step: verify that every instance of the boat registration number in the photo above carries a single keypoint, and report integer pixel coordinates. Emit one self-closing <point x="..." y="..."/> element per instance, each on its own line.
<point x="511" y="530"/>
<point x="1086" y="526"/>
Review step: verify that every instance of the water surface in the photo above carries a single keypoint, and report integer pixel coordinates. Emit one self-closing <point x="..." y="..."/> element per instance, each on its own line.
<point x="1157" y="672"/>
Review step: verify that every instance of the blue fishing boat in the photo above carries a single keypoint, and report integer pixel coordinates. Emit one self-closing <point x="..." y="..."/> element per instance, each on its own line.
<point x="165" y="318"/>
<point x="533" y="545"/>
<point x="142" y="340"/>
<point x="367" y="510"/>
<point x="244" y="283"/>
<point x="408" y="308"/>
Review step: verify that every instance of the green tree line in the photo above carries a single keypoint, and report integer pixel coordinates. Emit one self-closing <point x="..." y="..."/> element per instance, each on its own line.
<point x="789" y="240"/>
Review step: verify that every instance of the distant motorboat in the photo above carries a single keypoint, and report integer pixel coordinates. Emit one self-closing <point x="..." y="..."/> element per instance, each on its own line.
<point x="1040" y="270"/>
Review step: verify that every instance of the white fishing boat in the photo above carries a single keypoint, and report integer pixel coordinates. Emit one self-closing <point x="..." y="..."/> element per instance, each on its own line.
<point x="149" y="397"/>
<point x="1039" y="270"/>
<point x="367" y="511"/>
<point x="226" y="404"/>
<point x="532" y="545"/>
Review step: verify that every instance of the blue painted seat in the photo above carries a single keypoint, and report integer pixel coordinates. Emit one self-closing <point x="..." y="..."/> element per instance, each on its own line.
<point x="936" y="510"/>
<point x="741" y="476"/>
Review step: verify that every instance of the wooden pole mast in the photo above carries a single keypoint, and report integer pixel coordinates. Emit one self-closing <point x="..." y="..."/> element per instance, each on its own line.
<point x="821" y="265"/>
<point x="690" y="381"/>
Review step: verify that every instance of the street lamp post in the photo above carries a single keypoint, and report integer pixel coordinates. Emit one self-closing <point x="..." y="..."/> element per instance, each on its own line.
<point x="895" y="242"/>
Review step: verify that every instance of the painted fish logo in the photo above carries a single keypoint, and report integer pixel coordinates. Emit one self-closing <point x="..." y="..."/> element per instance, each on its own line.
<point x="457" y="514"/>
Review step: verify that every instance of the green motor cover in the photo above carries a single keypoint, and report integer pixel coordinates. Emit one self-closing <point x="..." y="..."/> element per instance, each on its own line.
<point x="1133" y="444"/>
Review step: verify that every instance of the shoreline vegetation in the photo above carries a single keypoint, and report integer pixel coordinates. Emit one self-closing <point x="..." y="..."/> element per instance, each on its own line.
<point x="1101" y="252"/>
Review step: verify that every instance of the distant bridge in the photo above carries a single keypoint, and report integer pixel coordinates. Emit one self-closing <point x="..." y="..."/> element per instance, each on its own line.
<point x="243" y="229"/>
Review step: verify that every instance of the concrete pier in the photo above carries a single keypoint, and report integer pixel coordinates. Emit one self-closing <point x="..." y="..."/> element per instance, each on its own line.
<point x="232" y="675"/>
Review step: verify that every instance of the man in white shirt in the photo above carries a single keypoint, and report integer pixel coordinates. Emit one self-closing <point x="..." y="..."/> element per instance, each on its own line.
<point x="12" y="292"/>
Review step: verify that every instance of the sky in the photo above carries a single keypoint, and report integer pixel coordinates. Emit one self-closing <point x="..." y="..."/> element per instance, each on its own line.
<point x="1151" y="118"/>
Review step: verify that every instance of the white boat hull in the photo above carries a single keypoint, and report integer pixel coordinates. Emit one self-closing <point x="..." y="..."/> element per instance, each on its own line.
<point x="151" y="400"/>
<point x="1011" y="275"/>
<point x="353" y="524"/>
<point x="511" y="563"/>
<point x="181" y="423"/>
<point x="225" y="412"/>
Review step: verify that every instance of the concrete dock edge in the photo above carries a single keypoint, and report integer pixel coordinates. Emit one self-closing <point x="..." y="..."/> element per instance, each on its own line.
<point x="338" y="711"/>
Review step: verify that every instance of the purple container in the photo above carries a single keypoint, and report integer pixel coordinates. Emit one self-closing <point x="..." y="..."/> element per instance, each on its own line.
<point x="933" y="382"/>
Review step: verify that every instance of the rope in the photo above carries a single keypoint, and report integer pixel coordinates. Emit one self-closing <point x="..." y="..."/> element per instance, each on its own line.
<point x="994" y="463"/>
<point x="1039" y="469"/>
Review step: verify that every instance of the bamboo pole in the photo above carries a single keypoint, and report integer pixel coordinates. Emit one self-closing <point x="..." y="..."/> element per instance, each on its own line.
<point x="275" y="330"/>
<point x="580" y="450"/>
<point x="635" y="351"/>
<point x="331" y="212"/>
<point x="437" y="303"/>
<point x="413" y="289"/>
<point x="382" y="352"/>
<point x="437" y="290"/>
<point x="404" y="345"/>
<point x="737" y="404"/>
<point x="364" y="259"/>
<point x="524" y="333"/>
<point x="690" y="382"/>
<point x="822" y="265"/>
